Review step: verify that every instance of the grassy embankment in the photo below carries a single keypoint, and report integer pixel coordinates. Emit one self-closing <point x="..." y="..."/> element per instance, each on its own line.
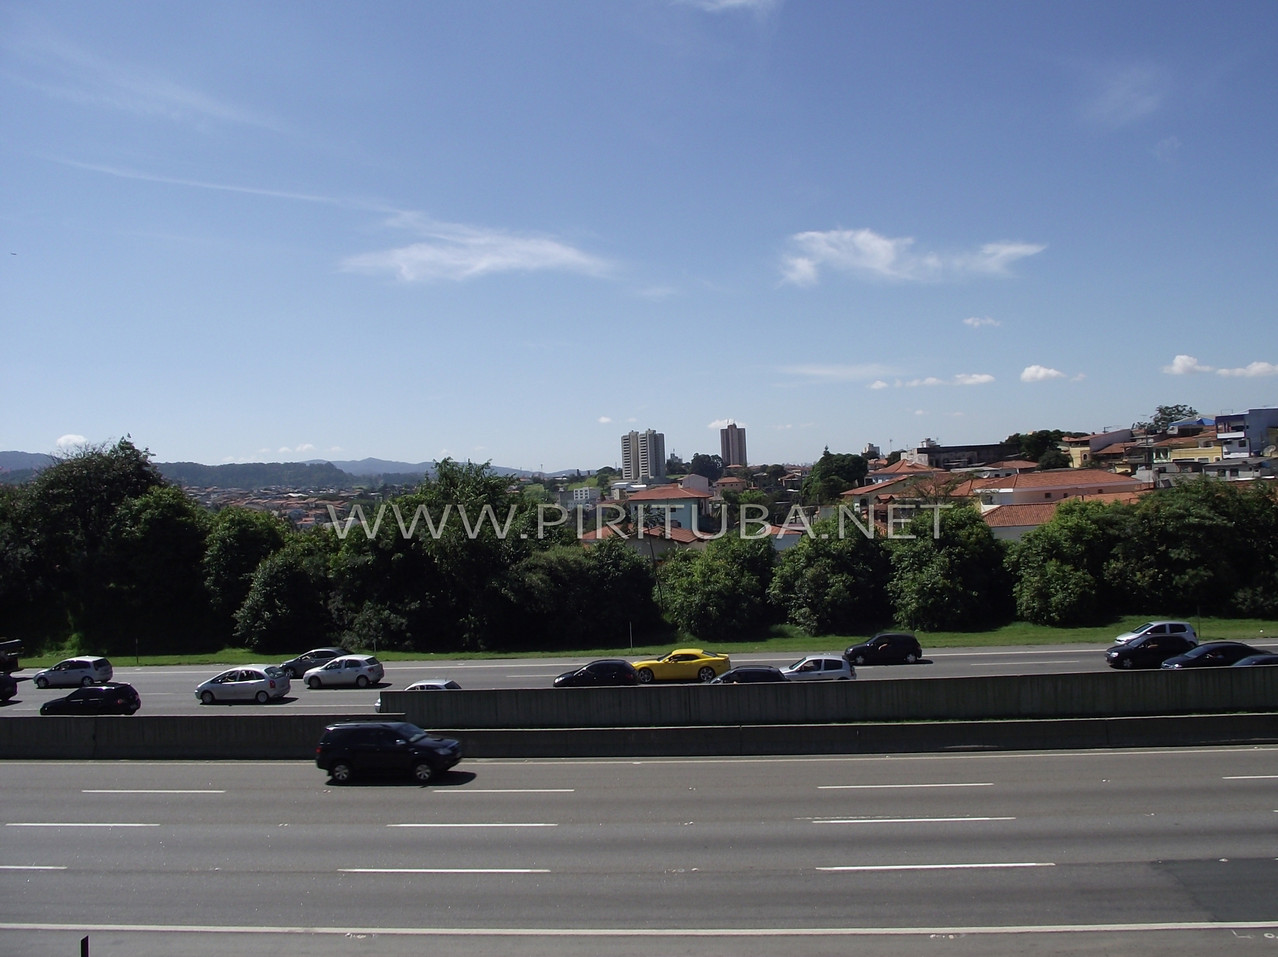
<point x="783" y="639"/>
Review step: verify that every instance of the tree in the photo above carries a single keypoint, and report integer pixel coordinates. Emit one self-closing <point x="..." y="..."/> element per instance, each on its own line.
<point x="1054" y="459"/>
<point x="720" y="593"/>
<point x="238" y="540"/>
<point x="711" y="466"/>
<point x="827" y="584"/>
<point x="1034" y="445"/>
<point x="1164" y="416"/>
<point x="675" y="465"/>
<point x="948" y="579"/>
<point x="833" y="474"/>
<point x="287" y="603"/>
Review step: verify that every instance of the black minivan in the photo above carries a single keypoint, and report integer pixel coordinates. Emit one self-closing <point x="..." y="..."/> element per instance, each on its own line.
<point x="384" y="747"/>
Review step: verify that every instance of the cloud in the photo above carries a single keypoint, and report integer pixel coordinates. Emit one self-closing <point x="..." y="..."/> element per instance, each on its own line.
<point x="1037" y="373"/>
<point x="452" y="251"/>
<point x="1122" y="94"/>
<point x="838" y="373"/>
<point x="724" y="423"/>
<point x="1186" y="365"/>
<point x="962" y="379"/>
<point x="605" y="420"/>
<point x="867" y="253"/>
<point x="62" y="70"/>
<point x="977" y="322"/>
<point x="1254" y="369"/>
<point x="757" y="7"/>
<point x="71" y="441"/>
<point x="1166" y="149"/>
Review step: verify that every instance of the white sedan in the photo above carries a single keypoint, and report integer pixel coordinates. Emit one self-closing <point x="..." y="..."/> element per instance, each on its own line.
<point x="260" y="683"/>
<point x="426" y="684"/>
<point x="820" y="668"/>
<point x="358" y="670"/>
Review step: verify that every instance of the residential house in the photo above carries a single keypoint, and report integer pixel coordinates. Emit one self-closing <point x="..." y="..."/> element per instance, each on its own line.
<point x="1080" y="449"/>
<point x="1245" y="434"/>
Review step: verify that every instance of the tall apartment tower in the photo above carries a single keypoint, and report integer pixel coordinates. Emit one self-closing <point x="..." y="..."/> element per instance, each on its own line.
<point x="732" y="447"/>
<point x="643" y="455"/>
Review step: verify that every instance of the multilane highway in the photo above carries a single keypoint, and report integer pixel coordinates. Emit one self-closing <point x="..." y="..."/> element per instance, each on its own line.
<point x="1150" y="852"/>
<point x="170" y="690"/>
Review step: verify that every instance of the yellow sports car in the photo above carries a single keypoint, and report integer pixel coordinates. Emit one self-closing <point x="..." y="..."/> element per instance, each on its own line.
<point x="683" y="664"/>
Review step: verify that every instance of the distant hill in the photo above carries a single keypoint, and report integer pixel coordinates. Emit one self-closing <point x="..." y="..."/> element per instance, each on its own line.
<point x="256" y="475"/>
<point x="17" y="467"/>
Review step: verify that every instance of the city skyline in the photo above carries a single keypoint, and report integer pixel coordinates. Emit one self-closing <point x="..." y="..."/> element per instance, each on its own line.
<point x="294" y="231"/>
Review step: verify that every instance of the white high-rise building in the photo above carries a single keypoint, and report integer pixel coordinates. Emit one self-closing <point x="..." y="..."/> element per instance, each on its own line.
<point x="643" y="455"/>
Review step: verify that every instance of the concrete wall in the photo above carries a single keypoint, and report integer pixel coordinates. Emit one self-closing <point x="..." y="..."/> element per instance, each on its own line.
<point x="1088" y="695"/>
<point x="1117" y="709"/>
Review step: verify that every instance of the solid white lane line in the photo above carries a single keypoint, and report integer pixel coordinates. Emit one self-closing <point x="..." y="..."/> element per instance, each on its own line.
<point x="508" y="791"/>
<point x="491" y="824"/>
<point x="937" y="867"/>
<point x="71" y="824"/>
<point x="444" y="870"/>
<point x="32" y="867"/>
<point x="147" y="791"/>
<point x="907" y="820"/>
<point x="923" y="930"/>
<point x="875" y="787"/>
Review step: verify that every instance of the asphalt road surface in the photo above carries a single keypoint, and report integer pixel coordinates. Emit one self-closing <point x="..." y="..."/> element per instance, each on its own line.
<point x="1152" y="852"/>
<point x="170" y="690"/>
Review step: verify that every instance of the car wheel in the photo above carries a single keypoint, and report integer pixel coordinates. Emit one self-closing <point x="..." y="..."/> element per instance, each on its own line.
<point x="262" y="697"/>
<point x="361" y="681"/>
<point x="859" y="660"/>
<point x="1127" y="663"/>
<point x="86" y="681"/>
<point x="42" y="682"/>
<point x="206" y="697"/>
<point x="313" y="683"/>
<point x="911" y="658"/>
<point x="290" y="672"/>
<point x="341" y="772"/>
<point x="423" y="772"/>
<point x="645" y="676"/>
<point x="706" y="674"/>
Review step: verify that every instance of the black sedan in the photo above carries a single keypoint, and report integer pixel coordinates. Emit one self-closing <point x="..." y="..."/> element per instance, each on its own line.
<point x="8" y="686"/>
<point x="886" y="648"/>
<point x="1147" y="651"/>
<point x="606" y="671"/>
<point x="296" y="667"/>
<point x="749" y="675"/>
<point x="1213" y="654"/>
<point x="1252" y="661"/>
<point x="111" y="698"/>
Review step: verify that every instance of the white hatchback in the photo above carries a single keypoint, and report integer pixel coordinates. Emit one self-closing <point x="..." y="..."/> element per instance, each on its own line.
<point x="358" y="670"/>
<point x="820" y="668"/>
<point x="260" y="683"/>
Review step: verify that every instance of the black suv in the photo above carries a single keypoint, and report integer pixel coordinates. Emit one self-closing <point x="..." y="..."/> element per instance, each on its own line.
<point x="384" y="747"/>
<point x="108" y="698"/>
<point x="885" y="648"/>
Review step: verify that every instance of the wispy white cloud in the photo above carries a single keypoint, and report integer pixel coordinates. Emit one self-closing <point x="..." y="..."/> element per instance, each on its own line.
<point x="1165" y="150"/>
<point x="867" y="253"/>
<point x="1186" y="365"/>
<point x="1037" y="373"/>
<point x="1252" y="369"/>
<point x="980" y="322"/>
<point x="605" y="420"/>
<point x="838" y="373"/>
<point x="64" y="70"/>
<point x="962" y="379"/>
<point x="453" y="251"/>
<point x="1121" y="94"/>
<point x="724" y="423"/>
<point x="758" y="7"/>
<point x="71" y="441"/>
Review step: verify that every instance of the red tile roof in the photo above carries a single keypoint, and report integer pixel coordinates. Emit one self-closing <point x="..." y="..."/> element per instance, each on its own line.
<point x="1020" y="516"/>
<point x="666" y="493"/>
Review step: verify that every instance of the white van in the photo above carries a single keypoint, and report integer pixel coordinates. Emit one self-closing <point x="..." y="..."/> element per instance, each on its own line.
<point x="1181" y="629"/>
<point x="74" y="672"/>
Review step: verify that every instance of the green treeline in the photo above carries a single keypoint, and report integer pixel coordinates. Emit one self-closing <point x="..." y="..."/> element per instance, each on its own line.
<point x="101" y="553"/>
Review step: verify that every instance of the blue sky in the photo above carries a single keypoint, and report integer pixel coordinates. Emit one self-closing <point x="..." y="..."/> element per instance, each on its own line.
<point x="247" y="231"/>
